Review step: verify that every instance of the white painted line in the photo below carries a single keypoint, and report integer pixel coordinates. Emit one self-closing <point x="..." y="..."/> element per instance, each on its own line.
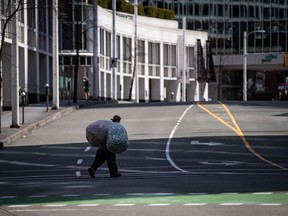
<point x="4" y="183"/>
<point x="229" y="193"/>
<point x="231" y="204"/>
<point x="160" y="204"/>
<point x="19" y="206"/>
<point x="48" y="210"/>
<point x="27" y="164"/>
<point x="134" y="194"/>
<point x="167" y="151"/>
<point x="78" y="173"/>
<point x="70" y="195"/>
<point x="197" y="193"/>
<point x="8" y="197"/>
<point x="124" y="204"/>
<point x="195" y="204"/>
<point x="79" y="161"/>
<point x="55" y="205"/>
<point x="270" y="204"/>
<point x="88" y="205"/>
<point x="38" y="196"/>
<point x="87" y="149"/>
<point x="163" y="194"/>
<point x="262" y="193"/>
<point x="196" y="142"/>
<point x="102" y="194"/>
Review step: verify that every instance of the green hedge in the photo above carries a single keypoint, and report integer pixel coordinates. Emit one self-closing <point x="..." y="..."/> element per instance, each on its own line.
<point x="123" y="6"/>
<point x="102" y="3"/>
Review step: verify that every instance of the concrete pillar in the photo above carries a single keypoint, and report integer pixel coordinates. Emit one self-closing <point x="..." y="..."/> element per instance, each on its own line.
<point x="162" y="93"/>
<point x="146" y="68"/>
<point x="15" y="68"/>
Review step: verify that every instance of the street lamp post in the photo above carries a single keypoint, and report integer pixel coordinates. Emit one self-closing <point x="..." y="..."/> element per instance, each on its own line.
<point x="245" y="36"/>
<point x="135" y="51"/>
<point x="114" y="52"/>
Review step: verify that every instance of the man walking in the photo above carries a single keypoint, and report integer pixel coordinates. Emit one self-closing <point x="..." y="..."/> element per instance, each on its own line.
<point x="102" y="155"/>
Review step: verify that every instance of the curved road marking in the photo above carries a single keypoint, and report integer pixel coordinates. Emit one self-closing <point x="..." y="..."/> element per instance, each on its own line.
<point x="167" y="151"/>
<point x="238" y="131"/>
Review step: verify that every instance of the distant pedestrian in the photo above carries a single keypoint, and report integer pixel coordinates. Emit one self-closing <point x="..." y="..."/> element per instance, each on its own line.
<point x="102" y="155"/>
<point x="86" y="86"/>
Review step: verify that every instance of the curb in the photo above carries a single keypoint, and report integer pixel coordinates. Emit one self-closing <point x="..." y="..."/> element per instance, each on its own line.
<point x="34" y="126"/>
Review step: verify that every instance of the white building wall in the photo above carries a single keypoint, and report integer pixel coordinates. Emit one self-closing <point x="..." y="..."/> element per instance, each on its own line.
<point x="152" y="86"/>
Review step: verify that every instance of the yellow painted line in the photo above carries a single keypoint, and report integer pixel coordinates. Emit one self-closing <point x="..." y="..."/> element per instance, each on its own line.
<point x="217" y="117"/>
<point x="238" y="131"/>
<point x="231" y="116"/>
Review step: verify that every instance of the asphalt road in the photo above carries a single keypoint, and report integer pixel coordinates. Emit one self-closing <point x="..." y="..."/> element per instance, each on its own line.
<point x="207" y="159"/>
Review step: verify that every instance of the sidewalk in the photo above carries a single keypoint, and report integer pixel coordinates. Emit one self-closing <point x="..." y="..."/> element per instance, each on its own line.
<point x="35" y="117"/>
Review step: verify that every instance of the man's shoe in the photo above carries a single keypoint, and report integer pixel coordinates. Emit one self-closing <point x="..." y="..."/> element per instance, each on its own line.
<point x="91" y="172"/>
<point x="115" y="175"/>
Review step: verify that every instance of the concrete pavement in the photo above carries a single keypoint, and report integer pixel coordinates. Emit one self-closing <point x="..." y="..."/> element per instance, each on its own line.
<point x="35" y="117"/>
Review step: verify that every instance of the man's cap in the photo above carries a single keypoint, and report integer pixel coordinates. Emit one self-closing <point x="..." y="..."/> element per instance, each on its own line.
<point x="116" y="118"/>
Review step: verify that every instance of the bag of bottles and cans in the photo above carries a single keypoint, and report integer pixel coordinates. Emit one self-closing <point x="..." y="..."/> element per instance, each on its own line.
<point x="107" y="134"/>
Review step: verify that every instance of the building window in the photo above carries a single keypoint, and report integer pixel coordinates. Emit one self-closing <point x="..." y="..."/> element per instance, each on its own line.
<point x="102" y="41"/>
<point x="67" y="60"/>
<point x="169" y="55"/>
<point x="154" y="53"/>
<point x="127" y="49"/>
<point x="42" y="16"/>
<point x="82" y="60"/>
<point x="190" y="56"/>
<point x="236" y="11"/>
<point x="108" y="44"/>
<point x="141" y="51"/>
<point x="89" y="60"/>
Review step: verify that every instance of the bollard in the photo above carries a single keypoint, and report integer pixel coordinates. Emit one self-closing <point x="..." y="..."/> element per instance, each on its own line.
<point x="47" y="96"/>
<point x="23" y="94"/>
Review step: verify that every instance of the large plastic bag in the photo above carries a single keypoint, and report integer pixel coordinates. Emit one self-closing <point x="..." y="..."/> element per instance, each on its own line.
<point x="117" y="139"/>
<point x="96" y="133"/>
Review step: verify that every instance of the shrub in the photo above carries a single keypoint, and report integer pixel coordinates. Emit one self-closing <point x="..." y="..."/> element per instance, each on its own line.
<point x="123" y="6"/>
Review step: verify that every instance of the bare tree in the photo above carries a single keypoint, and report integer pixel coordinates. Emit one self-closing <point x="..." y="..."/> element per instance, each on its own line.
<point x="76" y="28"/>
<point x="138" y="51"/>
<point x="222" y="61"/>
<point x="8" y="10"/>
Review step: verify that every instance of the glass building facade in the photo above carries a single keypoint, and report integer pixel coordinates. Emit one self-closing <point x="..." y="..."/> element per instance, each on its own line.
<point x="226" y="21"/>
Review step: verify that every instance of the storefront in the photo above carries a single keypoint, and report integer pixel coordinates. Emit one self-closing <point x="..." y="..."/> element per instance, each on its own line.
<point x="267" y="77"/>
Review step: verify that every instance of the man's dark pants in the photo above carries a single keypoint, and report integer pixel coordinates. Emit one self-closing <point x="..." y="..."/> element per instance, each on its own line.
<point x="103" y="155"/>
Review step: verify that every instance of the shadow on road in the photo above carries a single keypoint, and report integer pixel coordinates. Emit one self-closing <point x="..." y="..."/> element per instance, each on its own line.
<point x="210" y="166"/>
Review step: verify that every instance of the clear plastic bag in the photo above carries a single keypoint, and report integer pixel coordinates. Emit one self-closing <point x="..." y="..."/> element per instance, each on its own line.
<point x="96" y="133"/>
